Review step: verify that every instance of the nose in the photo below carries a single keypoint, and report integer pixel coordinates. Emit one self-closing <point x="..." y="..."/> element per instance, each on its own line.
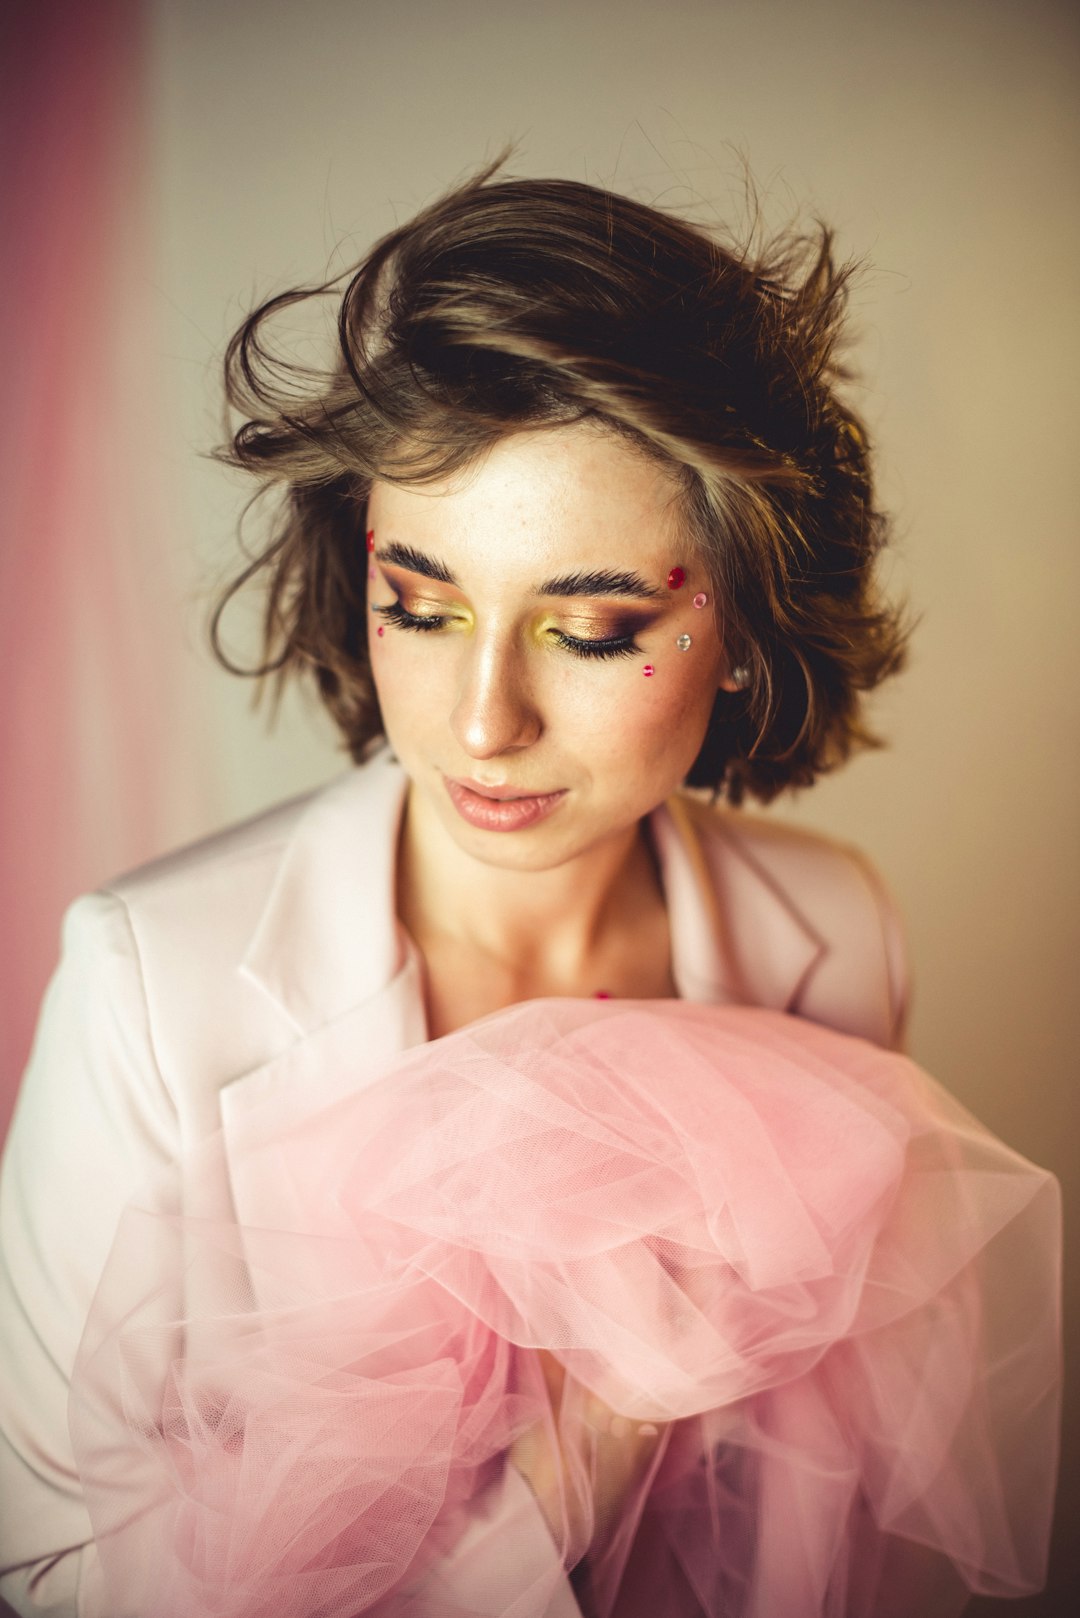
<point x="495" y="711"/>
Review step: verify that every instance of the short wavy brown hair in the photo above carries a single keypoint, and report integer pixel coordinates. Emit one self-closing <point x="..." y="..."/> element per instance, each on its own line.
<point x="511" y="304"/>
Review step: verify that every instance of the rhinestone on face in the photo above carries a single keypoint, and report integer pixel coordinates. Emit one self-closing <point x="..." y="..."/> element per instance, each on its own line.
<point x="371" y="539"/>
<point x="648" y="671"/>
<point x="676" y="578"/>
<point x="700" y="599"/>
<point x="684" y="643"/>
<point x="381" y="630"/>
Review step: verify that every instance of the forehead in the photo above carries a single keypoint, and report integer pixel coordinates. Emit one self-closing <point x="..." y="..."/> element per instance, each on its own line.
<point x="572" y="494"/>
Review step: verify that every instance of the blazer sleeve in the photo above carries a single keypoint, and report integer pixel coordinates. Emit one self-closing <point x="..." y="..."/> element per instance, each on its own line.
<point x="894" y="948"/>
<point x="94" y="1118"/>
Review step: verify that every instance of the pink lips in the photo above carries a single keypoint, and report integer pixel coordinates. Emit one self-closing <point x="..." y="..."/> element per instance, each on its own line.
<point x="500" y="808"/>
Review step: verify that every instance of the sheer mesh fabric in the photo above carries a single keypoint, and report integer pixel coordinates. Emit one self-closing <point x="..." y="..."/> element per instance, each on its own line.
<point x="708" y="1310"/>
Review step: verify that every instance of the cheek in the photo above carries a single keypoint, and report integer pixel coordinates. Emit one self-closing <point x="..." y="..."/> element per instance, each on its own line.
<point x="612" y="715"/>
<point x="634" y="719"/>
<point x="407" y="676"/>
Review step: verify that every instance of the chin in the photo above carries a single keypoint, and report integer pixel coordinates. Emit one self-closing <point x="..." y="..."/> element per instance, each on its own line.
<point x="541" y="848"/>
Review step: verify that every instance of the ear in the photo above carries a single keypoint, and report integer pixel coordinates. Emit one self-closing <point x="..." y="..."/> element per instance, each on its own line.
<point x="733" y="677"/>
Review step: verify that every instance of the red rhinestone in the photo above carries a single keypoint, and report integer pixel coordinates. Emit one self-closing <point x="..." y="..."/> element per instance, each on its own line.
<point x="371" y="539"/>
<point x="648" y="670"/>
<point x="601" y="994"/>
<point x="381" y="630"/>
<point x="676" y="578"/>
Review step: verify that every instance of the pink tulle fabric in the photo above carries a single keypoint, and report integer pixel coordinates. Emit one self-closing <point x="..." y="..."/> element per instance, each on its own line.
<point x="700" y="1310"/>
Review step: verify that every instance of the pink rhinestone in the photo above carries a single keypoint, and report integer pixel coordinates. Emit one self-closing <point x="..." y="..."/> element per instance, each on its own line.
<point x="601" y="994"/>
<point x="648" y="670"/>
<point x="381" y="630"/>
<point x="700" y="599"/>
<point x="371" y="573"/>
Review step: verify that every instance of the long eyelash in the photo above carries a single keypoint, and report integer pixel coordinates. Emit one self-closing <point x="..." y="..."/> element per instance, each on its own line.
<point x="623" y="646"/>
<point x="395" y="613"/>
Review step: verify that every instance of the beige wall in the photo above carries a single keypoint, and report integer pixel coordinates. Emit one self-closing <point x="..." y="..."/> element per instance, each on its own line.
<point x="942" y="140"/>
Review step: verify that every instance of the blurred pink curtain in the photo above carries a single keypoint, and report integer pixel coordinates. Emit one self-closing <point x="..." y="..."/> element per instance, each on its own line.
<point x="92" y="712"/>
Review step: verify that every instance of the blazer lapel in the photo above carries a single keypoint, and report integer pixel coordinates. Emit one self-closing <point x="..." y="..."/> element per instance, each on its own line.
<point x="328" y="950"/>
<point x="327" y="1066"/>
<point x="736" y="935"/>
<point x="328" y="937"/>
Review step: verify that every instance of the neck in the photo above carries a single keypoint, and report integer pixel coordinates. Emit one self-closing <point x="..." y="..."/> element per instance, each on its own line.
<point x="537" y="923"/>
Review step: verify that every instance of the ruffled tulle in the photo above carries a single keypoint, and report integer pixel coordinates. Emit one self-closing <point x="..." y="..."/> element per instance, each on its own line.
<point x="710" y="1309"/>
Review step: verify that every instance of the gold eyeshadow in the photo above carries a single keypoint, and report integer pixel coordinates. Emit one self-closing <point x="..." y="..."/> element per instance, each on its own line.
<point x="432" y="604"/>
<point x="606" y="626"/>
<point x="415" y="601"/>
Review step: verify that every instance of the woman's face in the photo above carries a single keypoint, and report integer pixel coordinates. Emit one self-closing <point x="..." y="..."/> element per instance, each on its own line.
<point x="528" y="630"/>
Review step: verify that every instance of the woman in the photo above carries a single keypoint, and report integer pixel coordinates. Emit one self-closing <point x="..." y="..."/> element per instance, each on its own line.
<point x="577" y="518"/>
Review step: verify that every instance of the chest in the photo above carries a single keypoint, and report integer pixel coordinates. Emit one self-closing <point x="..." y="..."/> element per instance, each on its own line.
<point x="461" y="985"/>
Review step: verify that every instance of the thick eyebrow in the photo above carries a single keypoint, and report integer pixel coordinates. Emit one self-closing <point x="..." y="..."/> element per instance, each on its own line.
<point x="416" y="562"/>
<point x="606" y="582"/>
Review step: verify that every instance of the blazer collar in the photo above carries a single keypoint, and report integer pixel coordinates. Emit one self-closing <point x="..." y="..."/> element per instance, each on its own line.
<point x="328" y="939"/>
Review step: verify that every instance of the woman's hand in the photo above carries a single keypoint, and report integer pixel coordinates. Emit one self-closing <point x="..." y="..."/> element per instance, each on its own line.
<point x="584" y="1475"/>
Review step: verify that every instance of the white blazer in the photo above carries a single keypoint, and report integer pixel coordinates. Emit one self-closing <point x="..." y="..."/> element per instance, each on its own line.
<point x="269" y="958"/>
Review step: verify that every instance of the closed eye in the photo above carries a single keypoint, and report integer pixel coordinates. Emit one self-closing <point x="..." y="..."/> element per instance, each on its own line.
<point x="395" y="613"/>
<point x="613" y="646"/>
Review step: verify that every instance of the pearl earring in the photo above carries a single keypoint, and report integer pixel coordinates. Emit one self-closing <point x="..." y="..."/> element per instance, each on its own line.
<point x="740" y="676"/>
